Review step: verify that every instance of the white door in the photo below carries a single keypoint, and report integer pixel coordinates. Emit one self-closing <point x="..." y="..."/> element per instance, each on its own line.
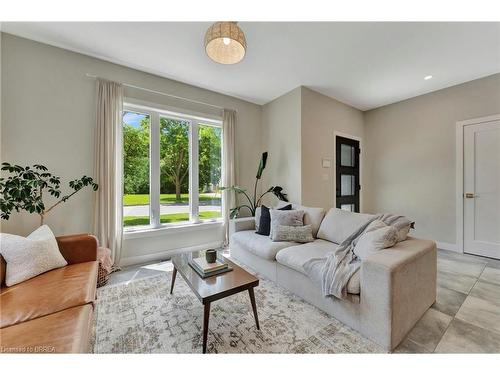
<point x="482" y="189"/>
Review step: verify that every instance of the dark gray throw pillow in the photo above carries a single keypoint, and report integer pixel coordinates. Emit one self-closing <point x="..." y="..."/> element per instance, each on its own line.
<point x="265" y="219"/>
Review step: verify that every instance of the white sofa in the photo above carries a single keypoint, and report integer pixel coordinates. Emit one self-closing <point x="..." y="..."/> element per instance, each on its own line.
<point x="387" y="296"/>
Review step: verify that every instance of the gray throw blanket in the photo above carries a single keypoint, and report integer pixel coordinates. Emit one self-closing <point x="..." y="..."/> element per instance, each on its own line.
<point x="334" y="271"/>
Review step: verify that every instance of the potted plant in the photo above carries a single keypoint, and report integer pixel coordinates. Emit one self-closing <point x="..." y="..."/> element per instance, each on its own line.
<point x="24" y="189"/>
<point x="255" y="202"/>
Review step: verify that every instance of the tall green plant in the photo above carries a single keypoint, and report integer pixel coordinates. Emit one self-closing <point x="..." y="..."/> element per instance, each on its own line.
<point x="24" y="189"/>
<point x="255" y="202"/>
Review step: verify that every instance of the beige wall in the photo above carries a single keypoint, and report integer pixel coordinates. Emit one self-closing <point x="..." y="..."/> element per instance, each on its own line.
<point x="281" y="137"/>
<point x="408" y="148"/>
<point x="298" y="131"/>
<point x="410" y="154"/>
<point x="322" y="116"/>
<point x="48" y="117"/>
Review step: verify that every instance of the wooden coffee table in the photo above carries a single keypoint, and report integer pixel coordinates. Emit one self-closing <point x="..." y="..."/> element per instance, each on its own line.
<point x="215" y="287"/>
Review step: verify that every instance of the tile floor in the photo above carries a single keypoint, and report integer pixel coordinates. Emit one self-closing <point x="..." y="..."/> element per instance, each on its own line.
<point x="464" y="319"/>
<point x="466" y="315"/>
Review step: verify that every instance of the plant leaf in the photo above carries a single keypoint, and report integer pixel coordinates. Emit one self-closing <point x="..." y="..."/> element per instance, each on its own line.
<point x="262" y="165"/>
<point x="234" y="212"/>
<point x="278" y="192"/>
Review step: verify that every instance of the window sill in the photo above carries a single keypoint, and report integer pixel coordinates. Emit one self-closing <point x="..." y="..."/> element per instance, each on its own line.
<point x="167" y="229"/>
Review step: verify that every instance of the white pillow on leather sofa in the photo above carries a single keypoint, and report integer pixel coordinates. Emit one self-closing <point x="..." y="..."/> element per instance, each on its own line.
<point x="27" y="257"/>
<point x="339" y="224"/>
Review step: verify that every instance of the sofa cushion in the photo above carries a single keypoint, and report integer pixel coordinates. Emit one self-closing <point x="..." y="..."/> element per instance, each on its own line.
<point x="67" y="331"/>
<point x="295" y="258"/>
<point x="375" y="240"/>
<point x="262" y="246"/>
<point x="313" y="216"/>
<point x="48" y="293"/>
<point x="354" y="284"/>
<point x="281" y="204"/>
<point x="403" y="232"/>
<point x="30" y="256"/>
<point x="340" y="224"/>
<point x="264" y="227"/>
<point x="258" y="213"/>
<point x="292" y="218"/>
<point x="301" y="234"/>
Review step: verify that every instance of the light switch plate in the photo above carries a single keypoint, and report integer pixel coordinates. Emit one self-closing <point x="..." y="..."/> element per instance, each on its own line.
<point x="326" y="163"/>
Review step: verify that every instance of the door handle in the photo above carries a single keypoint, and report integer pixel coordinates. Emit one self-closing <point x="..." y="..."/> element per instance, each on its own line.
<point x="470" y="195"/>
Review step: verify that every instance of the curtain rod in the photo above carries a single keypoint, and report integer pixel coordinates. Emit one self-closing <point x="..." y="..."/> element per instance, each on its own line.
<point x="93" y="76"/>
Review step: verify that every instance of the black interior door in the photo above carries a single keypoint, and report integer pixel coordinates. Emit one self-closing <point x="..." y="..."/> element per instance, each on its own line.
<point x="347" y="174"/>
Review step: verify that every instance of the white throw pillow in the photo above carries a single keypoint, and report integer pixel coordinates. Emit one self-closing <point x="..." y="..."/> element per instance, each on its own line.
<point x="312" y="216"/>
<point x="292" y="218"/>
<point x="27" y="257"/>
<point x="374" y="225"/>
<point x="282" y="204"/>
<point x="375" y="240"/>
<point x="403" y="233"/>
<point x="340" y="224"/>
<point x="258" y="212"/>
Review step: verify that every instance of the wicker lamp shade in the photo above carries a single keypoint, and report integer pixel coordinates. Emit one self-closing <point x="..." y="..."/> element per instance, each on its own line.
<point x="225" y="43"/>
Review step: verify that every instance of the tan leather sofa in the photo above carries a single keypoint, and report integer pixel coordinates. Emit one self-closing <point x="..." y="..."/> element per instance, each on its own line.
<point x="52" y="312"/>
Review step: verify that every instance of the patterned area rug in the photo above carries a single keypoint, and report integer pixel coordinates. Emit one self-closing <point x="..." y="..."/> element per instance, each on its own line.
<point x="142" y="317"/>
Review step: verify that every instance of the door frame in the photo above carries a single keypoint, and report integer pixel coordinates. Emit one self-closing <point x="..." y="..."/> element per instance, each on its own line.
<point x="459" y="182"/>
<point x="361" y="157"/>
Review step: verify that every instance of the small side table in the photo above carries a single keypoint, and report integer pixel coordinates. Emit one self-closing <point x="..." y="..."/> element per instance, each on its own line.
<point x="105" y="265"/>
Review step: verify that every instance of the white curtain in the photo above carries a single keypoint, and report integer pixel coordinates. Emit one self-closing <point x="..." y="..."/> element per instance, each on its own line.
<point x="108" y="167"/>
<point x="228" y="201"/>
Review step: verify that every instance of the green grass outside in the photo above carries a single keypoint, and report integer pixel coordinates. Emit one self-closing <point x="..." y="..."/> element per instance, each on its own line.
<point x="143" y="199"/>
<point x="129" y="221"/>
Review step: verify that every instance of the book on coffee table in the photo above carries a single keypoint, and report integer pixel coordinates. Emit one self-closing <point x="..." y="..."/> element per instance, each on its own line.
<point x="205" y="269"/>
<point x="202" y="263"/>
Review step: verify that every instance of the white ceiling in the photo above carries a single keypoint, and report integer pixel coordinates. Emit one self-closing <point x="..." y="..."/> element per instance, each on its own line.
<point x="366" y="65"/>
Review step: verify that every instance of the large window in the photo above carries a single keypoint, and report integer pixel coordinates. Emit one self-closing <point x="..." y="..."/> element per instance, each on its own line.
<point x="136" y="166"/>
<point x="209" y="171"/>
<point x="172" y="168"/>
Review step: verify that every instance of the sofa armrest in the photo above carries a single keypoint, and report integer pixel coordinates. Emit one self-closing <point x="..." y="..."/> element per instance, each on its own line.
<point x="398" y="285"/>
<point x="78" y="248"/>
<point x="241" y="224"/>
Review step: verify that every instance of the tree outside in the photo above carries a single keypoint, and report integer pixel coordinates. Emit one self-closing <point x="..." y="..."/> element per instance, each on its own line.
<point x="174" y="170"/>
<point x="136" y="156"/>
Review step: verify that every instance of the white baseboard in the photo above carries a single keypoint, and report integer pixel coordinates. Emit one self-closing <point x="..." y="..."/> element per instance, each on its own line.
<point x="447" y="246"/>
<point x="162" y="255"/>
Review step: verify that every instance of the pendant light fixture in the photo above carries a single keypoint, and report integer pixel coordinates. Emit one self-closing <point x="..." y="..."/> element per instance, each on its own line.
<point x="225" y="43"/>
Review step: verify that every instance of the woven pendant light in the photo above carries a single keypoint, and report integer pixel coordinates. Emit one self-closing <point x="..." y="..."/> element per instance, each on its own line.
<point x="225" y="43"/>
